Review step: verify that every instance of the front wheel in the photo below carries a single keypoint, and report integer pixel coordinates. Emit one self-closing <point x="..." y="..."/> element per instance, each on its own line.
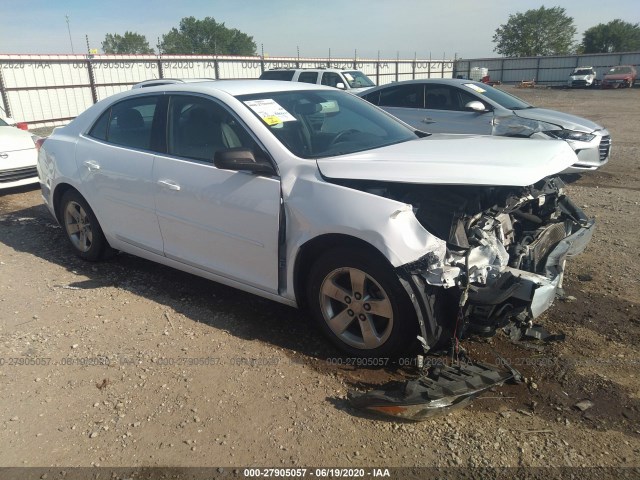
<point x="358" y="302"/>
<point x="82" y="228"/>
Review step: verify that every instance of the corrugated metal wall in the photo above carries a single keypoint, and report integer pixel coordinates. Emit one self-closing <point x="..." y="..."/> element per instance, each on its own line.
<point x="49" y="90"/>
<point x="553" y="70"/>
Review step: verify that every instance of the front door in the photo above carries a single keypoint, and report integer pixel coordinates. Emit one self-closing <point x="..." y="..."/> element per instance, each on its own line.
<point x="221" y="221"/>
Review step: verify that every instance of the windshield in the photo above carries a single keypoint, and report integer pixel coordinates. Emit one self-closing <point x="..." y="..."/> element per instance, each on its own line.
<point x="358" y="79"/>
<point x="583" y="71"/>
<point x="619" y="70"/>
<point x="503" y="99"/>
<point x="318" y="123"/>
<point x="3" y="123"/>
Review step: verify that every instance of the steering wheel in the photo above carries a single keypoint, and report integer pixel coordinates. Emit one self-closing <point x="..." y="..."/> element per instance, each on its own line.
<point x="342" y="135"/>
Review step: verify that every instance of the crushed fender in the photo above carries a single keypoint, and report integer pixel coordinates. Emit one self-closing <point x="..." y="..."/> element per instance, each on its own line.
<point x="442" y="389"/>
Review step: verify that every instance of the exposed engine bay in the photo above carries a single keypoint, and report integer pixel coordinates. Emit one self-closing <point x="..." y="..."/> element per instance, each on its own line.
<point x="506" y="246"/>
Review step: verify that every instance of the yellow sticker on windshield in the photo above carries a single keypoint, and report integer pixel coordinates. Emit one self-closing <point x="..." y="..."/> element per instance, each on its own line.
<point x="271" y="120"/>
<point x="475" y="87"/>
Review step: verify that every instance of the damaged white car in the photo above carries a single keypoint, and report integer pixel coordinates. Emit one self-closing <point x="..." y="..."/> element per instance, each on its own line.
<point x="313" y="197"/>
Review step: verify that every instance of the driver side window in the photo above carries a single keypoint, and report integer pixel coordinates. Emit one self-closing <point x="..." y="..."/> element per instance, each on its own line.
<point x="197" y="128"/>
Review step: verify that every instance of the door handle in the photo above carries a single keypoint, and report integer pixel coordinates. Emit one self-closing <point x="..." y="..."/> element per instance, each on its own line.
<point x="169" y="184"/>
<point x="427" y="120"/>
<point x="91" y="165"/>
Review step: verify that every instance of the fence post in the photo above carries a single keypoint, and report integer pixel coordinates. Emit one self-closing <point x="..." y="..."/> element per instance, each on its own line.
<point x="3" y="94"/>
<point x="216" y="67"/>
<point x="429" y="69"/>
<point x="160" y="69"/>
<point x="537" y="70"/>
<point x="502" y="70"/>
<point x="92" y="80"/>
<point x="397" y="69"/>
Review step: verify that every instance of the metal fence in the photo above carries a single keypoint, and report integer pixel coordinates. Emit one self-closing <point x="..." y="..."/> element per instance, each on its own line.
<point x="49" y="90"/>
<point x="552" y="70"/>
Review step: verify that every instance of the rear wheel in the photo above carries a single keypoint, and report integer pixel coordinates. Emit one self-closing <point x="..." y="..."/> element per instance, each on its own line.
<point x="82" y="228"/>
<point x="358" y="302"/>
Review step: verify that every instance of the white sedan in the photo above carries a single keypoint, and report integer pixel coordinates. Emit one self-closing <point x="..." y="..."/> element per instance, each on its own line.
<point x="312" y="197"/>
<point x="18" y="156"/>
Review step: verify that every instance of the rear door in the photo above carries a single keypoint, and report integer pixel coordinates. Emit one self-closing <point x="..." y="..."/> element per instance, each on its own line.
<point x="405" y="102"/>
<point x="225" y="222"/>
<point x="115" y="161"/>
<point x="445" y="111"/>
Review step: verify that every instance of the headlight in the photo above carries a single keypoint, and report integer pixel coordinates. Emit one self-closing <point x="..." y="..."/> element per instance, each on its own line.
<point x="514" y="126"/>
<point x="570" y="135"/>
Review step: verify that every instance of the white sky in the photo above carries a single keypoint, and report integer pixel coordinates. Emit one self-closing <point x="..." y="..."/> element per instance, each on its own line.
<point x="404" y="27"/>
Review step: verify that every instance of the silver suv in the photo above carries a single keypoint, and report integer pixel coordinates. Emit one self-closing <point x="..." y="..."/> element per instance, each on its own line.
<point x="353" y="81"/>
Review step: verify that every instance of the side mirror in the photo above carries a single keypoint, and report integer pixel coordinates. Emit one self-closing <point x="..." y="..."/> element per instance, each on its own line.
<point x="476" y="106"/>
<point x="340" y="85"/>
<point x="241" y="159"/>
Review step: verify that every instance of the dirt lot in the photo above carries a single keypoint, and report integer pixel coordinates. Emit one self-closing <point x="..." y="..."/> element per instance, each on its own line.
<point x="133" y="364"/>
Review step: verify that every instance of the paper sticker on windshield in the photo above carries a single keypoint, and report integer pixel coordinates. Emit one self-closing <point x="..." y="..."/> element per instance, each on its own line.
<point x="270" y="111"/>
<point x="475" y="87"/>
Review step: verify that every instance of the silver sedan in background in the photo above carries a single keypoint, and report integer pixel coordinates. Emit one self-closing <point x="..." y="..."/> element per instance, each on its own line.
<point x="465" y="106"/>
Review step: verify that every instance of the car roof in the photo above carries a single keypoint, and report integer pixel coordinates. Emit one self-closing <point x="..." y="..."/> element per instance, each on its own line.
<point x="445" y="81"/>
<point x="311" y="69"/>
<point x="239" y="87"/>
<point x="168" y="81"/>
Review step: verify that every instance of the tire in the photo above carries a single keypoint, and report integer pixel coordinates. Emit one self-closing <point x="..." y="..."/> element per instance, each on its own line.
<point x="82" y="228"/>
<point x="345" y="287"/>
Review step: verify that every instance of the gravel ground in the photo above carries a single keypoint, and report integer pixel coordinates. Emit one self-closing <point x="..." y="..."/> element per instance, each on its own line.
<point x="128" y="363"/>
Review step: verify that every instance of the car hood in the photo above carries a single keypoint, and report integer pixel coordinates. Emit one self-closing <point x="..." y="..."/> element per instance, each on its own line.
<point x="13" y="139"/>
<point x="443" y="159"/>
<point x="564" y="120"/>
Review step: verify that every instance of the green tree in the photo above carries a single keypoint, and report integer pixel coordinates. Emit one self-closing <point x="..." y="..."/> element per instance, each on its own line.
<point x="545" y="31"/>
<point x="615" y="36"/>
<point x="206" y="37"/>
<point x="128" y="43"/>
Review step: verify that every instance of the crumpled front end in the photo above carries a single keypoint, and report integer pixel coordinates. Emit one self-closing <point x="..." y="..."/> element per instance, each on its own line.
<point x="506" y="249"/>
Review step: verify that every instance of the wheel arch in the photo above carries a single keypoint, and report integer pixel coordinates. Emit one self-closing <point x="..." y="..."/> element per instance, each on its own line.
<point x="315" y="247"/>
<point x="58" y="193"/>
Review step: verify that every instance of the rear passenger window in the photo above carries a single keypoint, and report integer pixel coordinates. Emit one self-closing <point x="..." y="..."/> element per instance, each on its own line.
<point x="406" y="96"/>
<point x="127" y="123"/>
<point x="285" y="75"/>
<point x="308" y="77"/>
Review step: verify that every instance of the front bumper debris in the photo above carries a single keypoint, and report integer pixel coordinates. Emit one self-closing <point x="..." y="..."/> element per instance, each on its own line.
<point x="443" y="389"/>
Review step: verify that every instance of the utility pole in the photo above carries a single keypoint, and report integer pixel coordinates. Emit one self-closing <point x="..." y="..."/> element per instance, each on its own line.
<point x="69" y="30"/>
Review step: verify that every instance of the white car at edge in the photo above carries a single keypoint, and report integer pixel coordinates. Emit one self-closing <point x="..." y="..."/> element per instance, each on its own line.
<point x="310" y="196"/>
<point x="18" y="156"/>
